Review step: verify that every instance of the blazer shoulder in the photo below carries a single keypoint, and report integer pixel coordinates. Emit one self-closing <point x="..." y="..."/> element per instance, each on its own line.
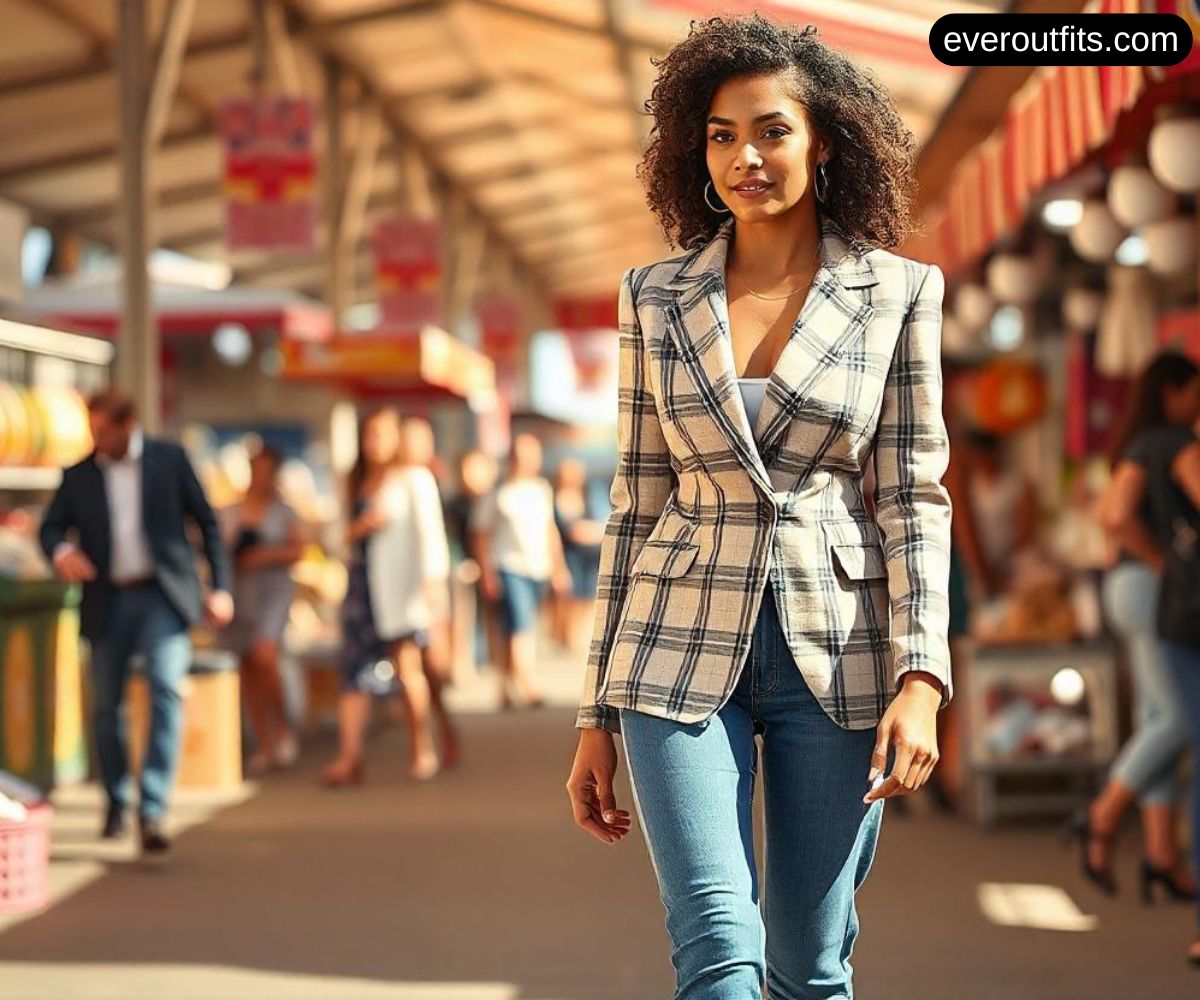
<point x="904" y="274"/>
<point x="659" y="273"/>
<point x="72" y="472"/>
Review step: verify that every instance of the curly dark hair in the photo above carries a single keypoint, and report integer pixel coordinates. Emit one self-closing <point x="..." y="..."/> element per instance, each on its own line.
<point x="872" y="185"/>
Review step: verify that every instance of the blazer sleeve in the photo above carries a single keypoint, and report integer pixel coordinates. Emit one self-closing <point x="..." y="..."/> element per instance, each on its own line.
<point x="644" y="480"/>
<point x="198" y="508"/>
<point x="912" y="507"/>
<point x="57" y="521"/>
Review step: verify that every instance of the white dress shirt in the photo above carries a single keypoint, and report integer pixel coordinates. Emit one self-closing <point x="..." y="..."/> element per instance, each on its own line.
<point x="131" y="555"/>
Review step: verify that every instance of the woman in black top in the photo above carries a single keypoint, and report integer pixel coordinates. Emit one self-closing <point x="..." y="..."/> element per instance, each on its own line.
<point x="1145" y="771"/>
<point x="1155" y="508"/>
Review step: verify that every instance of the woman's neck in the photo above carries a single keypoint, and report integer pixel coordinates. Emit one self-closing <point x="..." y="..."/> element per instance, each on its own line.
<point x="778" y="247"/>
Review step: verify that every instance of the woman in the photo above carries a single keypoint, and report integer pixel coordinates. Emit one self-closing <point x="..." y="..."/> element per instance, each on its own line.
<point x="477" y="478"/>
<point x="1145" y="771"/>
<point x="397" y="575"/>
<point x="744" y="588"/>
<point x="1154" y="507"/>
<point x="518" y="548"/>
<point x="265" y="542"/>
<point x="581" y="537"/>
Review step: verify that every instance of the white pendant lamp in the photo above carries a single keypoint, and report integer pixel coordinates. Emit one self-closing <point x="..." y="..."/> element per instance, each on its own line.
<point x="1097" y="234"/>
<point x="973" y="307"/>
<point x="1136" y="197"/>
<point x="1171" y="245"/>
<point x="1081" y="308"/>
<point x="1172" y="152"/>
<point x="1012" y="279"/>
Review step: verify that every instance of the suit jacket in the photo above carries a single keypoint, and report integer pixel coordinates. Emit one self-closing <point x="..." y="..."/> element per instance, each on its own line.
<point x="170" y="493"/>
<point x="706" y="508"/>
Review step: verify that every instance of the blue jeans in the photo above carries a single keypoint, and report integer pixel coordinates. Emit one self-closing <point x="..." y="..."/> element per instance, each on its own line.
<point x="1149" y="762"/>
<point x="694" y="787"/>
<point x="1184" y="661"/>
<point x="140" y="621"/>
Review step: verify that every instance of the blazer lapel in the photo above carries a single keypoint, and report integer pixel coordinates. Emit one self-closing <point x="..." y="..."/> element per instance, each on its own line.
<point x="699" y="323"/>
<point x="833" y="316"/>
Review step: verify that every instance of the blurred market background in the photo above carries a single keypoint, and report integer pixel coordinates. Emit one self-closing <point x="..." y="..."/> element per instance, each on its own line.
<point x="264" y="217"/>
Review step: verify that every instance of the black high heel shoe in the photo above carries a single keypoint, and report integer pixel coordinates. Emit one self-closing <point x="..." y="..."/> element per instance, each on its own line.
<point x="1151" y="876"/>
<point x="1079" y="828"/>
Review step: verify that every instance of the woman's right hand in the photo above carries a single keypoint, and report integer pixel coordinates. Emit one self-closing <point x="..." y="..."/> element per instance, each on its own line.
<point x="590" y="787"/>
<point x="491" y="585"/>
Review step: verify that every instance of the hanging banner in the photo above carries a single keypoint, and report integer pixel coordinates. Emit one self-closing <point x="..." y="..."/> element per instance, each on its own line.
<point x="270" y="174"/>
<point x="589" y="326"/>
<point x="408" y="274"/>
<point x="499" y="319"/>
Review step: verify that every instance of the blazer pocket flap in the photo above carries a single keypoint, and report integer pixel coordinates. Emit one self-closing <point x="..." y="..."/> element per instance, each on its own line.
<point x="666" y="558"/>
<point x="860" y="560"/>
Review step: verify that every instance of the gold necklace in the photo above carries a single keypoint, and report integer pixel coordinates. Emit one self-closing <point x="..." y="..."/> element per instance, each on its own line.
<point x="776" y="298"/>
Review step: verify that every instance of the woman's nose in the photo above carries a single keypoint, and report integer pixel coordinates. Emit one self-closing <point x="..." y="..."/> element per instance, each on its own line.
<point x="748" y="157"/>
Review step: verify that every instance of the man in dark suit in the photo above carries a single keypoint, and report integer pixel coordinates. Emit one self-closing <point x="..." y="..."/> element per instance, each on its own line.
<point x="117" y="525"/>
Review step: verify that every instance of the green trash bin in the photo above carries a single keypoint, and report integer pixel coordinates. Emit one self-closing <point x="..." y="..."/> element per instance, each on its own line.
<point x="41" y="693"/>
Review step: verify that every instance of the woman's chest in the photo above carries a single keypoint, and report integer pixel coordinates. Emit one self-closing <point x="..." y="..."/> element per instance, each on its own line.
<point x="758" y="332"/>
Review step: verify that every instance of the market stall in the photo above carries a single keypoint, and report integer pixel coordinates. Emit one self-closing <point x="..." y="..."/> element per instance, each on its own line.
<point x="1069" y="242"/>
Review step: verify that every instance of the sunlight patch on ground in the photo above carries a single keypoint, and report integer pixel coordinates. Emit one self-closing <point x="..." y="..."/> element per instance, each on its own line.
<point x="1039" y="907"/>
<point x="37" y="980"/>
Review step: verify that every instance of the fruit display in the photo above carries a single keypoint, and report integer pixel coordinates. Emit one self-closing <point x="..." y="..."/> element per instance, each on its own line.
<point x="43" y="426"/>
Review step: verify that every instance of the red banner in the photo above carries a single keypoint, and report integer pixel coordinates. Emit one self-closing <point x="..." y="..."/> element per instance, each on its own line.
<point x="408" y="274"/>
<point x="574" y="315"/>
<point x="499" y="327"/>
<point x="270" y="173"/>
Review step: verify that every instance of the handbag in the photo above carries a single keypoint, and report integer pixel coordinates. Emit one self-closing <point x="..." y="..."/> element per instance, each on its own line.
<point x="1179" y="598"/>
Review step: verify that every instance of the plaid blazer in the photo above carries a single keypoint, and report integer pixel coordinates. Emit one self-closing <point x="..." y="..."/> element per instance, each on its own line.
<point x="706" y="508"/>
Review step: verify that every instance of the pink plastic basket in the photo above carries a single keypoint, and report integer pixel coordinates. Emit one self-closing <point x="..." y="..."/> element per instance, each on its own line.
<point x="25" y="861"/>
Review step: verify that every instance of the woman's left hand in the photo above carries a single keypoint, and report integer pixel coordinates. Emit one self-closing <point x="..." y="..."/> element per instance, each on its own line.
<point x="910" y="725"/>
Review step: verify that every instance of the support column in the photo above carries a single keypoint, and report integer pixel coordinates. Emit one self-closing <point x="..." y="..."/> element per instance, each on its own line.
<point x="146" y="89"/>
<point x="337" y="284"/>
<point x="137" y="365"/>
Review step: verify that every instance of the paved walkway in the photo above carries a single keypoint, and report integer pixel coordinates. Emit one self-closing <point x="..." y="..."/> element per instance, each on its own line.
<point x="476" y="887"/>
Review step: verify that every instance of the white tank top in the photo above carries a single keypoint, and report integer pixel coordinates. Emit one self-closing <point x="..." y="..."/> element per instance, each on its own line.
<point x="754" y="391"/>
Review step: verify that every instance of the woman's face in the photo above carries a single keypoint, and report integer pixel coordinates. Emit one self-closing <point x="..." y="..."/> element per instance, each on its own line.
<point x="381" y="439"/>
<point x="1183" y="402"/>
<point x="761" y="148"/>
<point x="262" y="474"/>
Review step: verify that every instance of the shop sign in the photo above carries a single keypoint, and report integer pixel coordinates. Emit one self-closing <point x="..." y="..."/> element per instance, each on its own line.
<point x="408" y="274"/>
<point x="270" y="173"/>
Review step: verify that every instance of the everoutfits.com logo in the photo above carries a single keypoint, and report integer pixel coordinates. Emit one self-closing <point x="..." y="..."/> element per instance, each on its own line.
<point x="1060" y="39"/>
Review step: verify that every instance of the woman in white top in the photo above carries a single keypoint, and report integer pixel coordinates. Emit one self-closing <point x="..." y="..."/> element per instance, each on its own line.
<point x="397" y="594"/>
<point x="519" y="549"/>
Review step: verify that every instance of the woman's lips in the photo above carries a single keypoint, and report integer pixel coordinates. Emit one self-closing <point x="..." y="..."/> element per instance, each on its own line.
<point x="751" y="192"/>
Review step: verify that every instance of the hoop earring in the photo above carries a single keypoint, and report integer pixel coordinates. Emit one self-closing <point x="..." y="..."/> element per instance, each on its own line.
<point x="821" y="183"/>
<point x="718" y="210"/>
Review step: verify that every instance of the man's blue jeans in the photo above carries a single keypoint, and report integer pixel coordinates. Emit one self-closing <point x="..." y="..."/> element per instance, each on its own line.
<point x="141" y="621"/>
<point x="694" y="786"/>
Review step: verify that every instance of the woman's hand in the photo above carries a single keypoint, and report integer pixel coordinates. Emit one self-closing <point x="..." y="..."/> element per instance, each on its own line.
<point x="591" y="787"/>
<point x="910" y="725"/>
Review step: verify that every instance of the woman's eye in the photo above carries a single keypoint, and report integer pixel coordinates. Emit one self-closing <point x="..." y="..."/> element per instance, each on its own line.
<point x="719" y="137"/>
<point x="775" y="133"/>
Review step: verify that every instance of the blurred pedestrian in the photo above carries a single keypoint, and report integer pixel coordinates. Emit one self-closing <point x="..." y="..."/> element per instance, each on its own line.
<point x="1153" y="506"/>
<point x="1001" y="504"/>
<point x="398" y="569"/>
<point x="127" y="506"/>
<point x="581" y="535"/>
<point x="745" y="589"/>
<point x="520" y="551"/>
<point x="477" y="478"/>
<point x="266" y="541"/>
